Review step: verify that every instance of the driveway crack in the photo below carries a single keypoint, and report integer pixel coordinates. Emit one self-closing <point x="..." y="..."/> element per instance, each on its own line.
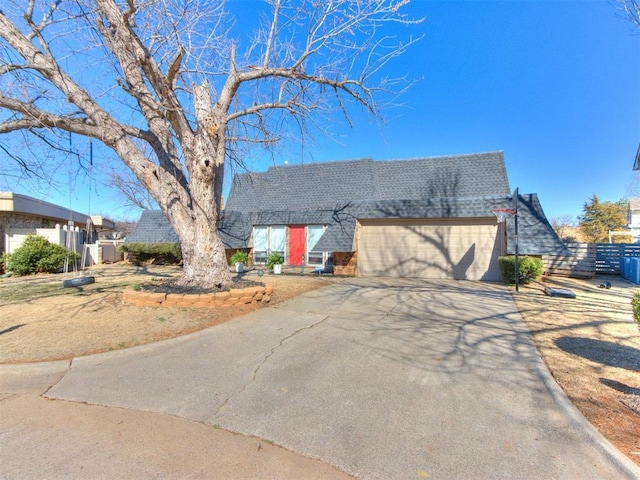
<point x="64" y="374"/>
<point x="265" y="360"/>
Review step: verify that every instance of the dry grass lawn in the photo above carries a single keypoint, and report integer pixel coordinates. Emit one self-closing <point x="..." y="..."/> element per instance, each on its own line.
<point x="41" y="321"/>
<point x="591" y="344"/>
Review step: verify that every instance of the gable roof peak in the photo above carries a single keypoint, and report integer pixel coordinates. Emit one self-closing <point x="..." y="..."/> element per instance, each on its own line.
<point x="321" y="164"/>
<point x="491" y="154"/>
<point x="322" y="184"/>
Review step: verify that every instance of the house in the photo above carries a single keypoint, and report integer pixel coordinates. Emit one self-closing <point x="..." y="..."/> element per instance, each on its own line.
<point x="427" y="217"/>
<point x="21" y="215"/>
<point x="153" y="227"/>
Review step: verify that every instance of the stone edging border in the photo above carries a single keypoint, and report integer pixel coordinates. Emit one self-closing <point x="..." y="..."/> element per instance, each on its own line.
<point x="235" y="296"/>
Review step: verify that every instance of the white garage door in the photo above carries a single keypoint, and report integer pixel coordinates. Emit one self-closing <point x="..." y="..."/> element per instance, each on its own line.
<point x="442" y="248"/>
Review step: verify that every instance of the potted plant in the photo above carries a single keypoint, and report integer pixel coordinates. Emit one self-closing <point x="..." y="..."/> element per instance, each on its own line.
<point x="275" y="261"/>
<point x="239" y="259"/>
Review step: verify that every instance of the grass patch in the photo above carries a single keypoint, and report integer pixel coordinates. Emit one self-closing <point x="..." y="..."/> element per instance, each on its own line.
<point x="25" y="291"/>
<point x="109" y="279"/>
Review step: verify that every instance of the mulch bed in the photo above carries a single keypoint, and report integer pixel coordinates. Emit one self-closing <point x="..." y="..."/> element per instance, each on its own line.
<point x="172" y="286"/>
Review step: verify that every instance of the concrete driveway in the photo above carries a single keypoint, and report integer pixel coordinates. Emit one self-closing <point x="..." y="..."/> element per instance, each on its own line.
<point x="384" y="379"/>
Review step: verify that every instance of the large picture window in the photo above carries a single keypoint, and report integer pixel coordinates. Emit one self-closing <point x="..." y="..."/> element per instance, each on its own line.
<point x="267" y="240"/>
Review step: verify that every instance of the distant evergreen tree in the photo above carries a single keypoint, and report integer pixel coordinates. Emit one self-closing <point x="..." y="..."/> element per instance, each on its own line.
<point x="601" y="217"/>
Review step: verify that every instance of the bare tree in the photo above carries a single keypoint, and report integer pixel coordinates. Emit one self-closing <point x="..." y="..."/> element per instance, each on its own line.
<point x="166" y="76"/>
<point x="631" y="9"/>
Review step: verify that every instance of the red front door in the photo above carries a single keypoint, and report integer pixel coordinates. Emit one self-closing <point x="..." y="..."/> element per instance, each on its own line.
<point x="296" y="244"/>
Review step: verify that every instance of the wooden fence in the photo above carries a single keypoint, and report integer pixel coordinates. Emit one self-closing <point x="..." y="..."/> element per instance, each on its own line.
<point x="589" y="259"/>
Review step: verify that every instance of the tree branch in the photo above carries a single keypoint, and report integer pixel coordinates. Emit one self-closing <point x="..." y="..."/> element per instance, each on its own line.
<point x="34" y="117"/>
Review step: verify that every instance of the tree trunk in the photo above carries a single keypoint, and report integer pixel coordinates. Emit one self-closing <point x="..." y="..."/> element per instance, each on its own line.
<point x="196" y="224"/>
<point x="203" y="254"/>
<point x="195" y="220"/>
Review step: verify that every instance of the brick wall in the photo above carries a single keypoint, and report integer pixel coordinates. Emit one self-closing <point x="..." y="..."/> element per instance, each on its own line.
<point x="345" y="263"/>
<point x="14" y="220"/>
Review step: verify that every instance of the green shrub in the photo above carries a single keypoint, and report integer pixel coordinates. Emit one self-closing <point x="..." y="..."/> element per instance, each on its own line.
<point x="169" y="253"/>
<point x="3" y="262"/>
<point x="239" y="256"/>
<point x="274" y="258"/>
<point x="635" y="303"/>
<point x="36" y="255"/>
<point x="529" y="268"/>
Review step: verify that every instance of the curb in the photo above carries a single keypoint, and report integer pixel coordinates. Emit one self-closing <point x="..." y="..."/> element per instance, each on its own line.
<point x="578" y="421"/>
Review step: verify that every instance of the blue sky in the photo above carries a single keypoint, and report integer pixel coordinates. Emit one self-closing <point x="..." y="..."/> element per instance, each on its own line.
<point x="555" y="85"/>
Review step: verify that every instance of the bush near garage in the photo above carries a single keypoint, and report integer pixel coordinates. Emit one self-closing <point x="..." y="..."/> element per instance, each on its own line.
<point x="36" y="255"/>
<point x="165" y="253"/>
<point x="529" y="268"/>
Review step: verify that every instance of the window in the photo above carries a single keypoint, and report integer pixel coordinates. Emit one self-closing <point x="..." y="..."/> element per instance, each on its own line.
<point x="273" y="238"/>
<point x="314" y="257"/>
<point x="260" y="244"/>
<point x="267" y="240"/>
<point x="277" y="240"/>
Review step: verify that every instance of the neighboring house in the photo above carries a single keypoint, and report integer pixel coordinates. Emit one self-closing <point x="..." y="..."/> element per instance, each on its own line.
<point x="429" y="217"/>
<point x="634" y="219"/>
<point x="153" y="227"/>
<point x="21" y="215"/>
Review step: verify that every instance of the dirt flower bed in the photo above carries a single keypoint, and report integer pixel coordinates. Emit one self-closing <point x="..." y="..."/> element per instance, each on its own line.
<point x="591" y="344"/>
<point x="172" y="286"/>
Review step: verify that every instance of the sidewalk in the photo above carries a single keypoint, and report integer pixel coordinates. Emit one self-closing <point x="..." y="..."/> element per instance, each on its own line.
<point x="55" y="439"/>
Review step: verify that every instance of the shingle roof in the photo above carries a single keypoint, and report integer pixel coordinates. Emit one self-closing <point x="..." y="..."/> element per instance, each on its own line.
<point x="235" y="229"/>
<point x="153" y="227"/>
<point x="336" y="194"/>
<point x="322" y="185"/>
<point x="536" y="236"/>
